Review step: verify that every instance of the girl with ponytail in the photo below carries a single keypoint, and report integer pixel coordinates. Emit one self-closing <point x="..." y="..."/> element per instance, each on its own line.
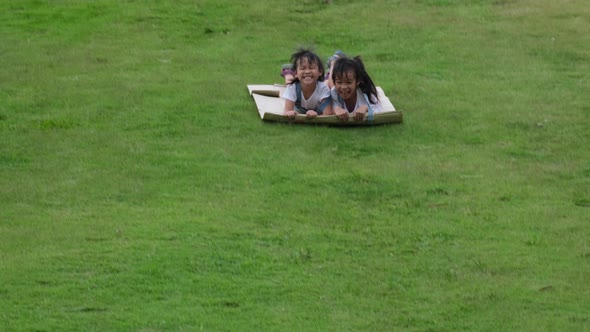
<point x="354" y="92"/>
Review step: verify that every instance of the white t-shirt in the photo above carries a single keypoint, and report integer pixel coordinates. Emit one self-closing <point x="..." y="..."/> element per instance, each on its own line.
<point x="361" y="99"/>
<point x="321" y="92"/>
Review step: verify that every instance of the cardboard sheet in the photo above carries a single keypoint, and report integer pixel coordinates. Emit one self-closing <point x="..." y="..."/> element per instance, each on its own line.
<point x="270" y="107"/>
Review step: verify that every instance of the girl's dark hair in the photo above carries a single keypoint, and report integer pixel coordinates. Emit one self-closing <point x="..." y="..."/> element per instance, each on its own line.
<point x="311" y="57"/>
<point x="343" y="66"/>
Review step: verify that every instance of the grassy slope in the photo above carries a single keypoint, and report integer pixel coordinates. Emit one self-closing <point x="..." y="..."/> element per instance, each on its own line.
<point x="140" y="191"/>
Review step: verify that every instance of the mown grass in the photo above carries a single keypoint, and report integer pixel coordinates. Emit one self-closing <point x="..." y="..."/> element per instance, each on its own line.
<point x="140" y="191"/>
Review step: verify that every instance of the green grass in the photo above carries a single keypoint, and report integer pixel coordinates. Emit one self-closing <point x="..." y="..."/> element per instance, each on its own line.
<point x="139" y="190"/>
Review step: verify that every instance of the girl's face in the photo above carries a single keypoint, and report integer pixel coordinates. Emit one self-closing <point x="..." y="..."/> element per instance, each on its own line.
<point x="307" y="73"/>
<point x="346" y="85"/>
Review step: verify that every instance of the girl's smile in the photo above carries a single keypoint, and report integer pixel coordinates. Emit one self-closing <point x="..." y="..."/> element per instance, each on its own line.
<point x="307" y="73"/>
<point x="346" y="86"/>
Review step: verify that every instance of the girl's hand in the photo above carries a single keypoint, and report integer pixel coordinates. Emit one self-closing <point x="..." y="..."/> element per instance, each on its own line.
<point x="291" y="114"/>
<point x="311" y="114"/>
<point x="341" y="113"/>
<point x="359" y="114"/>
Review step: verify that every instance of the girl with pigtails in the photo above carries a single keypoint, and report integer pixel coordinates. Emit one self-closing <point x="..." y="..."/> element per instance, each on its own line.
<point x="354" y="92"/>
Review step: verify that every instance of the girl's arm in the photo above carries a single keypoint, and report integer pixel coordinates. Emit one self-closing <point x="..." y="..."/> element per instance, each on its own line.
<point x="328" y="110"/>
<point x="359" y="113"/>
<point x="330" y="83"/>
<point x="341" y="113"/>
<point x="289" y="110"/>
<point x="311" y="114"/>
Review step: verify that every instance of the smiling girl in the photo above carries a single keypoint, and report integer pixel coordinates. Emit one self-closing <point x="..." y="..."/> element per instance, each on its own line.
<point x="307" y="93"/>
<point x="354" y="92"/>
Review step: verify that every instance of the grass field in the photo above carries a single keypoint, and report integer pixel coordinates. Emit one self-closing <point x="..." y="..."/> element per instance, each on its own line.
<point x="140" y="191"/>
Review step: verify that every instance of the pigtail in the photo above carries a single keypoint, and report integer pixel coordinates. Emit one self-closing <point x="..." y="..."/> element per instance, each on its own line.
<point x="366" y="83"/>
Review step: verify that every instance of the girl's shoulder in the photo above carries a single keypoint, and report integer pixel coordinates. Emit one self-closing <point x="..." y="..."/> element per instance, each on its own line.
<point x="365" y="98"/>
<point x="333" y="92"/>
<point x="322" y="87"/>
<point x="290" y="92"/>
